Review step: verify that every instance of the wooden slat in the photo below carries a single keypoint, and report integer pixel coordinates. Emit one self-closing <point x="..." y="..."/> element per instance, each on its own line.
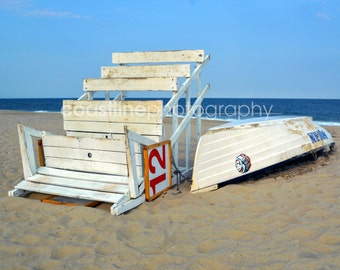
<point x="145" y="71"/>
<point x="117" y="144"/>
<point x="158" y="56"/>
<point x="105" y="127"/>
<point x="116" y="117"/>
<point x="81" y="184"/>
<point x="108" y="106"/>
<point x="132" y="84"/>
<point x="91" y="134"/>
<point x="96" y="156"/>
<point x="83" y="176"/>
<point x="155" y="138"/>
<point x="85" y="154"/>
<point x="71" y="192"/>
<point x="86" y="166"/>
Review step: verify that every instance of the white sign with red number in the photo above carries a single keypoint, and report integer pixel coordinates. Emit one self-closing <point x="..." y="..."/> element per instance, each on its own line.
<point x="157" y="169"/>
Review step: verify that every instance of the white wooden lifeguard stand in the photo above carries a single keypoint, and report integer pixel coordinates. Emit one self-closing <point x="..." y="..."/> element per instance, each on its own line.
<point x="100" y="158"/>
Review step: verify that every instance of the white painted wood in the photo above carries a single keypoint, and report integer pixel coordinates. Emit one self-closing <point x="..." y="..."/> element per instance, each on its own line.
<point x="26" y="148"/>
<point x="107" y="178"/>
<point x="158" y="56"/>
<point x="25" y="157"/>
<point x="138" y="138"/>
<point x="118" y="209"/>
<point x="155" y="138"/>
<point x="174" y="99"/>
<point x="107" y="95"/>
<point x="73" y="172"/>
<point x="80" y="107"/>
<point x="83" y="154"/>
<point x="174" y="143"/>
<point x="119" y="96"/>
<point x="96" y="185"/>
<point x="104" y="127"/>
<point x="131" y="84"/>
<point x="133" y="161"/>
<point x="110" y="72"/>
<point x="83" y="97"/>
<point x="187" y="132"/>
<point x="103" y="118"/>
<point x="86" y="166"/>
<point x="72" y="153"/>
<point x="199" y="111"/>
<point x="71" y="192"/>
<point x="90" y="134"/>
<point x="130" y="153"/>
<point x="116" y="117"/>
<point x="188" y="116"/>
<point x="34" y="132"/>
<point x="138" y="148"/>
<point x="265" y="142"/>
<point x="84" y="143"/>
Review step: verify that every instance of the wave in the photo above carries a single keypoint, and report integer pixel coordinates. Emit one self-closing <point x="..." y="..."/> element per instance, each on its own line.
<point x="325" y="123"/>
<point x="44" y="111"/>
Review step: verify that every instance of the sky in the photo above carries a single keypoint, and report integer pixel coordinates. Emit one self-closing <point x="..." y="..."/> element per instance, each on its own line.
<point x="258" y="48"/>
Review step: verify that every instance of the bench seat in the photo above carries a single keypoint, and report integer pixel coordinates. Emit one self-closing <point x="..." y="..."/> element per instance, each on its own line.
<point x="72" y="192"/>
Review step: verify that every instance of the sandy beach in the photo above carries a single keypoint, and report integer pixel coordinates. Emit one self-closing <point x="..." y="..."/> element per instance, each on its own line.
<point x="289" y="219"/>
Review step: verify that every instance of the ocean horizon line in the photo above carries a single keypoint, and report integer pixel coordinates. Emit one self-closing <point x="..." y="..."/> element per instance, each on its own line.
<point x="325" y="111"/>
<point x="162" y="98"/>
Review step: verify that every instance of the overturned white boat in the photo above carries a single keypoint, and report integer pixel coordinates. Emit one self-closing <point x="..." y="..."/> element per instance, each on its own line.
<point x="232" y="150"/>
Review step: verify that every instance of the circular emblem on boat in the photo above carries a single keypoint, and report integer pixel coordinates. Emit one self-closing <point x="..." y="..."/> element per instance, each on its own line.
<point x="242" y="163"/>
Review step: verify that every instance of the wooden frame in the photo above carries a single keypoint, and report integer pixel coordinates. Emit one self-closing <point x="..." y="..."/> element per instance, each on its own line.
<point x="127" y="72"/>
<point x="101" y="156"/>
<point x="125" y="192"/>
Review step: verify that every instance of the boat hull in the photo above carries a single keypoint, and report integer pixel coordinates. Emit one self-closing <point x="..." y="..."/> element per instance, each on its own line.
<point x="230" y="151"/>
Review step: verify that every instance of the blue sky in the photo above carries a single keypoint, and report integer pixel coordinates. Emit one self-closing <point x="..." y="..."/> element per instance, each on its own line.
<point x="259" y="49"/>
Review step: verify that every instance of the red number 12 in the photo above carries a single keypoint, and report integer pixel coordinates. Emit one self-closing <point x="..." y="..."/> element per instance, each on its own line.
<point x="162" y="163"/>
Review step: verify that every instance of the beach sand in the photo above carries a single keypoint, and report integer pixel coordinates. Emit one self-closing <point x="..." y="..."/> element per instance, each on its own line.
<point x="289" y="219"/>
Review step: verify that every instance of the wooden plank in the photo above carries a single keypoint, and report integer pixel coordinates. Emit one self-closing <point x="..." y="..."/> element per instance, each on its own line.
<point x="116" y="117"/>
<point x="85" y="143"/>
<point x="86" y="166"/>
<point x="131" y="135"/>
<point x="149" y="106"/>
<point x="91" y="134"/>
<point x="25" y="154"/>
<point x="131" y="84"/>
<point x="81" y="184"/>
<point x="153" y="129"/>
<point x="154" y="138"/>
<point x="158" y="56"/>
<point x="85" y="154"/>
<point x="71" y="192"/>
<point x="118" y="179"/>
<point x="145" y="71"/>
<point x="132" y="168"/>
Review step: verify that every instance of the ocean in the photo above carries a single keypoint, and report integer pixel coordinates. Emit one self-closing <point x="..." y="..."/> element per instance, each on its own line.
<point x="323" y="111"/>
